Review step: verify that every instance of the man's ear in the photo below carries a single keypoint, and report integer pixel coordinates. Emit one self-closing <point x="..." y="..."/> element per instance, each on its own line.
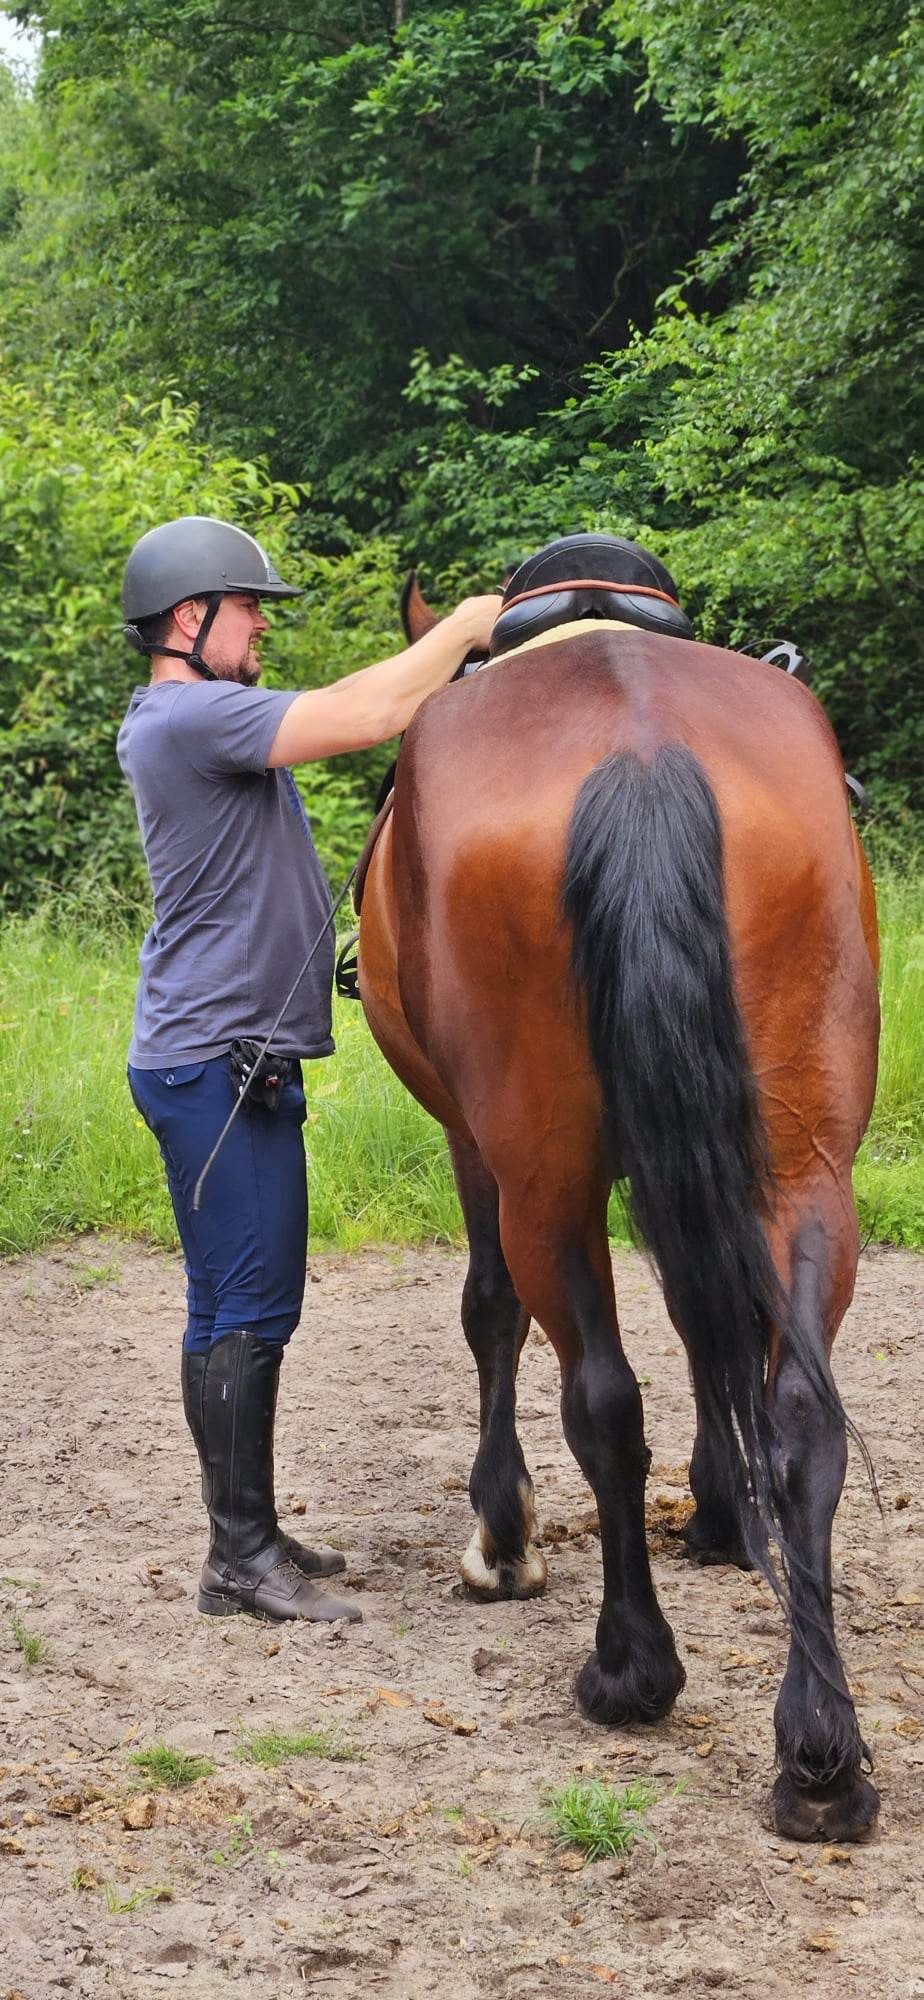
<point x="188" y="616"/>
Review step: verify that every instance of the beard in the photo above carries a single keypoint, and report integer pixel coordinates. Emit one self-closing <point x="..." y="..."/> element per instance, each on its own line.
<point x="245" y="672"/>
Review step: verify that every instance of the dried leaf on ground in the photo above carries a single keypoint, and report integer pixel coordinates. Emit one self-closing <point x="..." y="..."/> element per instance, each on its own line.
<point x="442" y="1719"/>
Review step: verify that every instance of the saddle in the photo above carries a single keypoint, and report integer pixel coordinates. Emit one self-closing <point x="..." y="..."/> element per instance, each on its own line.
<point x="588" y="576"/>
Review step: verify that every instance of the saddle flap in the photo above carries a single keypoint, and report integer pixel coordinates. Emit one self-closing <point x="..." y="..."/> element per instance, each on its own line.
<point x="561" y="607"/>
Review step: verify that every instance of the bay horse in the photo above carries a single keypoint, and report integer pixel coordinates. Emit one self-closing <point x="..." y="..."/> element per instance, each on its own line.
<point x="619" y="926"/>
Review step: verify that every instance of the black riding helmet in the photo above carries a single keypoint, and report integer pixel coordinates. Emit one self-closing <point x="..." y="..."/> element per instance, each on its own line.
<point x="196" y="556"/>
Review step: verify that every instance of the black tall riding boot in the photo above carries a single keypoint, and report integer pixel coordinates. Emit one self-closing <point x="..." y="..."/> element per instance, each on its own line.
<point x="312" y="1562"/>
<point x="248" y="1567"/>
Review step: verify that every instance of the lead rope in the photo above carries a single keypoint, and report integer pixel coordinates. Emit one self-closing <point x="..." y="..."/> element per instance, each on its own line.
<point x="236" y="1108"/>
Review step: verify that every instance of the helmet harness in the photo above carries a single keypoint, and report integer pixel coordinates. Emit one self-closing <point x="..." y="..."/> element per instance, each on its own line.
<point x="194" y="658"/>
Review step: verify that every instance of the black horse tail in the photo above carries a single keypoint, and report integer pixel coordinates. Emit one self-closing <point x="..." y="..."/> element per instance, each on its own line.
<point x="644" y="893"/>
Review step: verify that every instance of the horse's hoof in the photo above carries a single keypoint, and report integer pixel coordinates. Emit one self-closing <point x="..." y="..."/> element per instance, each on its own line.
<point x="490" y="1580"/>
<point x="712" y="1542"/>
<point x="846" y="1810"/>
<point x="641" y="1691"/>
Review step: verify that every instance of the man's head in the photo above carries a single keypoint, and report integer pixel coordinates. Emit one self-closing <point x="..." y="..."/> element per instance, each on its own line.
<point x="193" y="590"/>
<point x="230" y="649"/>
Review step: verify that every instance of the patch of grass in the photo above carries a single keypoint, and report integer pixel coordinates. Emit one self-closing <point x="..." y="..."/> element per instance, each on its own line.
<point x="138" y="1899"/>
<point x="171" y="1769"/>
<point x="87" y="1277"/>
<point x="587" y="1813"/>
<point x="272" y="1747"/>
<point x="75" y="1155"/>
<point x="34" y="1649"/>
<point x="21" y="1582"/>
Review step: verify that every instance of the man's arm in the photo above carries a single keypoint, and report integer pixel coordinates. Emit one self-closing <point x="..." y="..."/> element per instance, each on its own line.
<point x="378" y="702"/>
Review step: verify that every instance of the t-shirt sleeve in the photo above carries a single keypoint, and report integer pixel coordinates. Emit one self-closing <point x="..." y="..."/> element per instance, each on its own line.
<point x="224" y="727"/>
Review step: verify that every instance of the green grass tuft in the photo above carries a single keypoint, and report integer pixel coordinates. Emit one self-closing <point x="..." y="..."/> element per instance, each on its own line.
<point x="87" y="1277"/>
<point x="34" y="1649"/>
<point x="587" y="1813"/>
<point x="272" y="1747"/>
<point x="171" y="1769"/>
<point x="138" y="1899"/>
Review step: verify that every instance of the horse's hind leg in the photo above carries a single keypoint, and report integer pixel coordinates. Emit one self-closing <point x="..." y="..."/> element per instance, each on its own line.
<point x="557" y="1249"/>
<point x="501" y="1559"/>
<point x="820" y="1793"/>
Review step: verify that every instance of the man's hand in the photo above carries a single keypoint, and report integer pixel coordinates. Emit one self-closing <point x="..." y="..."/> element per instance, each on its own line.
<point x="475" y="617"/>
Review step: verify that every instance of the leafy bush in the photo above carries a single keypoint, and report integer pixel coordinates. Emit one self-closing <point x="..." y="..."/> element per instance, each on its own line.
<point x="75" y="492"/>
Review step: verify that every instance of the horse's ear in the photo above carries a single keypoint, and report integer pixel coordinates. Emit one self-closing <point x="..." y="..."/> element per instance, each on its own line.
<point x="416" y="615"/>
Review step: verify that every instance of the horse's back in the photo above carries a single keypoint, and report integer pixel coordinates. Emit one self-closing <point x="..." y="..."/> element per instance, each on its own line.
<point x="489" y="776"/>
<point x="498" y="759"/>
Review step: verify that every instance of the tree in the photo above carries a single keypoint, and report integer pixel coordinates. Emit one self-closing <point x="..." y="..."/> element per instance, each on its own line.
<point x="275" y="210"/>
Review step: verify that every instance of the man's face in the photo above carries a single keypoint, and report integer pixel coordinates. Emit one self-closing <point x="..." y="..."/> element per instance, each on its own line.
<point x="232" y="646"/>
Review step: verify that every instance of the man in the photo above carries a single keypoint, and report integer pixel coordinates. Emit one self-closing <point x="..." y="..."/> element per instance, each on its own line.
<point x="239" y="898"/>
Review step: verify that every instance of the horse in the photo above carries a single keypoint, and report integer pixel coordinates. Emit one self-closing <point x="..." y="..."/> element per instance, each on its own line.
<point x="619" y="927"/>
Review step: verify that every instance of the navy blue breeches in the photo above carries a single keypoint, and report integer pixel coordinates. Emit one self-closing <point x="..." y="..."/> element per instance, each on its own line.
<point x="245" y="1248"/>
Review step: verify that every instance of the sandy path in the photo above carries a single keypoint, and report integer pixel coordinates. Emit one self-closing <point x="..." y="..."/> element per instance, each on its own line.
<point x="417" y="1871"/>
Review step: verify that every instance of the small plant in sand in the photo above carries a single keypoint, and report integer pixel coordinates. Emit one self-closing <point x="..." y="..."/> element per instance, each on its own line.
<point x="87" y="1277"/>
<point x="34" y="1649"/>
<point x="138" y="1899"/>
<point x="240" y="1844"/>
<point x="272" y="1747"/>
<point x="588" y="1813"/>
<point x="169" y="1768"/>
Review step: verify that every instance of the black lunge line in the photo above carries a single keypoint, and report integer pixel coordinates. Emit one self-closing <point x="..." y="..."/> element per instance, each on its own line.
<point x="238" y="1106"/>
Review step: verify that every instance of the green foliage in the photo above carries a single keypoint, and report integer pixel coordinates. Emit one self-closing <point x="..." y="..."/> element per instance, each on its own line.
<point x="169" y="1769"/>
<point x="135" y="1899"/>
<point x="281" y="211"/>
<point x="473" y="276"/>
<point x="271" y="1746"/>
<point x="589" y="1814"/>
<point x="34" y="1648"/>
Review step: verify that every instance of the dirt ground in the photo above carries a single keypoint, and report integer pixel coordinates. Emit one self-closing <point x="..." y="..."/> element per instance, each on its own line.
<point x="421" y="1869"/>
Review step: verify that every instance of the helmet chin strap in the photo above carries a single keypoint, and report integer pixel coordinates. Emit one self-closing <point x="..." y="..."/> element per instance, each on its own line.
<point x="193" y="659"/>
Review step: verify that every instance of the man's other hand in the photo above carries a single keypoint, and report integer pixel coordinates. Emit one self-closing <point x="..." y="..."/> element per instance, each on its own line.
<point x="476" y="617"/>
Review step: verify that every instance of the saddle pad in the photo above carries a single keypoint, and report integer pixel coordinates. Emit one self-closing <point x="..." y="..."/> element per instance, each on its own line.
<point x="555" y="632"/>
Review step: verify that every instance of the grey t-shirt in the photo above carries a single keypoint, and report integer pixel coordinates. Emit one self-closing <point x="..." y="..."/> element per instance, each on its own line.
<point x="239" y="892"/>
